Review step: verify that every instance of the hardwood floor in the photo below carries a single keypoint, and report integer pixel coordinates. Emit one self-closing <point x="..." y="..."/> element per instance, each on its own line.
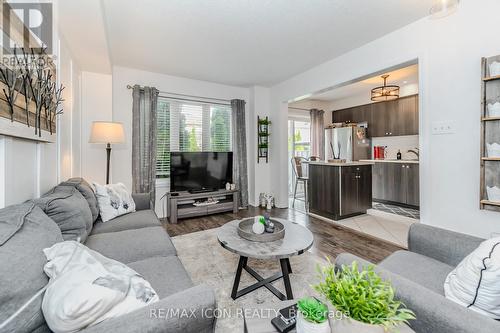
<point x="329" y="239"/>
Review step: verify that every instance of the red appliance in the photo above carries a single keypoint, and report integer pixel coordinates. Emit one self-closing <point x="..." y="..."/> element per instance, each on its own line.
<point x="379" y="152"/>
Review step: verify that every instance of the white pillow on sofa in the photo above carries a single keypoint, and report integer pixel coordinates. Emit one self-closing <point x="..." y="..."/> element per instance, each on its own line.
<point x="113" y="200"/>
<point x="475" y="282"/>
<point x="86" y="288"/>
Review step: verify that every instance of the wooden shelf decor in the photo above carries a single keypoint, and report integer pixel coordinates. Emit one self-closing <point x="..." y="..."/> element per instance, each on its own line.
<point x="263" y="138"/>
<point x="490" y="133"/>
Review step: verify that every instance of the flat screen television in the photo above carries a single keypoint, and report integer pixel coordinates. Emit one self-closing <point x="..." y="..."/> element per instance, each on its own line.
<point x="205" y="171"/>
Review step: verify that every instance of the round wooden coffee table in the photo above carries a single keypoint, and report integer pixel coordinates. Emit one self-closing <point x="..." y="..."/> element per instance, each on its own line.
<point x="297" y="240"/>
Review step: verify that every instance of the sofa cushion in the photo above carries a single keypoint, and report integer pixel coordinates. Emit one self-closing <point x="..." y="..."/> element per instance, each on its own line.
<point x="423" y="270"/>
<point x="25" y="230"/>
<point x="133" y="245"/>
<point x="114" y="200"/>
<point x="136" y="220"/>
<point x="69" y="209"/>
<point x="475" y="282"/>
<point x="88" y="193"/>
<point x="166" y="274"/>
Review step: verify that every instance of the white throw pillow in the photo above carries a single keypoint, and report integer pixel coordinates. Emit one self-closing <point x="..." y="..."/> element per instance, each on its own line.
<point x="113" y="200"/>
<point x="86" y="288"/>
<point x="475" y="282"/>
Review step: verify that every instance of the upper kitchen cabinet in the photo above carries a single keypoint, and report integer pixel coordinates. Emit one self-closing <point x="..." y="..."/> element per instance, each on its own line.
<point x="393" y="118"/>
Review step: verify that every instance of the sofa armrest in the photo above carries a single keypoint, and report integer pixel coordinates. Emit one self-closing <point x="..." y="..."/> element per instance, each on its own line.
<point x="443" y="245"/>
<point x="188" y="311"/>
<point x="434" y="312"/>
<point x="142" y="201"/>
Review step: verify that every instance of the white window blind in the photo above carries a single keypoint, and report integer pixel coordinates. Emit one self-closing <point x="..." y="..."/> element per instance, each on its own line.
<point x="190" y="127"/>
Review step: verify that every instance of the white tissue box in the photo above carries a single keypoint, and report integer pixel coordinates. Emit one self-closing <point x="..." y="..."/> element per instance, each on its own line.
<point x="494" y="109"/>
<point x="495" y="68"/>
<point x="493" y="149"/>
<point x="493" y="193"/>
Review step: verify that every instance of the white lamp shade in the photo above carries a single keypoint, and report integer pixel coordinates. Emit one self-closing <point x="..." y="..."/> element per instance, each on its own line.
<point x="107" y="132"/>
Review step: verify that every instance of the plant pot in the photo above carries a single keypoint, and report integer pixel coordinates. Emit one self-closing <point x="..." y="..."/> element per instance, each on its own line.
<point x="304" y="326"/>
<point x="348" y="325"/>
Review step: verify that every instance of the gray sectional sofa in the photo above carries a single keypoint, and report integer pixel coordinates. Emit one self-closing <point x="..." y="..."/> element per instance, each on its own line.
<point x="418" y="277"/>
<point x="136" y="239"/>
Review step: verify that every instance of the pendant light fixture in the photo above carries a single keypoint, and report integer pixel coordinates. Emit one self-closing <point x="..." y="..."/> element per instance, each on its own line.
<point x="443" y="8"/>
<point x="385" y="92"/>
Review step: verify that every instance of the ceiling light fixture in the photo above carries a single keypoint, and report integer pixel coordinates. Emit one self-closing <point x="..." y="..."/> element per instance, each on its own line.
<point x="443" y="8"/>
<point x="385" y="92"/>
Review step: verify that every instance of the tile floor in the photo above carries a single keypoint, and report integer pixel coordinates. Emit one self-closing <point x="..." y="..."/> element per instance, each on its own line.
<point x="403" y="211"/>
<point x="389" y="227"/>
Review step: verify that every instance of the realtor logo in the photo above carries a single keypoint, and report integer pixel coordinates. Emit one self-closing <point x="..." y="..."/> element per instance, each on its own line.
<point x="27" y="25"/>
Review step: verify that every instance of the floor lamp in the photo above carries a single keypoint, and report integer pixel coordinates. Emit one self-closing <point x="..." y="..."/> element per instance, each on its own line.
<point x="107" y="133"/>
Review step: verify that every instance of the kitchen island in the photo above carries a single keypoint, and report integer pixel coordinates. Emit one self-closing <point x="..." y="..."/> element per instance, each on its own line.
<point x="340" y="190"/>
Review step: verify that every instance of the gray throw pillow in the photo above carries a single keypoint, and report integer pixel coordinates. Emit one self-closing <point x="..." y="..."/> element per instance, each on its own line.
<point x="69" y="209"/>
<point x="25" y="230"/>
<point x="88" y="193"/>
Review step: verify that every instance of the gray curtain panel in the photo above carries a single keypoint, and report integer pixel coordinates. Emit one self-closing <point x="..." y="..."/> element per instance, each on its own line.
<point x="318" y="133"/>
<point x="144" y="140"/>
<point x="240" y="175"/>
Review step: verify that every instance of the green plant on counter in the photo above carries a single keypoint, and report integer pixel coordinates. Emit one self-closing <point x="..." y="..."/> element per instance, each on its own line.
<point x="362" y="295"/>
<point x="313" y="310"/>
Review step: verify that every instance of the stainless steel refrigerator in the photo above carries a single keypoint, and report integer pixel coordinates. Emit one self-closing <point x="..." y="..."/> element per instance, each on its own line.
<point x="349" y="143"/>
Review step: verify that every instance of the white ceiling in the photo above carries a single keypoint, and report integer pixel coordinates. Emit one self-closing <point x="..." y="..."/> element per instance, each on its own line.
<point x="237" y="42"/>
<point x="401" y="77"/>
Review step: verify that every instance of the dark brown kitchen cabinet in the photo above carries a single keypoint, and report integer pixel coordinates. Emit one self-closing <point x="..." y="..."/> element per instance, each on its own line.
<point x="396" y="183"/>
<point x="392" y="118"/>
<point x="339" y="192"/>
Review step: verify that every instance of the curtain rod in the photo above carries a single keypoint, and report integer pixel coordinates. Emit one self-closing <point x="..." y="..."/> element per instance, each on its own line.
<point x="190" y="96"/>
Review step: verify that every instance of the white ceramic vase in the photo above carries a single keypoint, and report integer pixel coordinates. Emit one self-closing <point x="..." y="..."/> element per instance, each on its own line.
<point x="495" y="68"/>
<point x="304" y="326"/>
<point x="348" y="325"/>
<point x="494" y="109"/>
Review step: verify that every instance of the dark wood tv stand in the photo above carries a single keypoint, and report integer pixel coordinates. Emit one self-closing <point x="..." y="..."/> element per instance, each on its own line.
<point x="178" y="210"/>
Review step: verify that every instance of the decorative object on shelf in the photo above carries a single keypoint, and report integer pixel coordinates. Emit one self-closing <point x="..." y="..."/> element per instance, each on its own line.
<point x="312" y="316"/>
<point x="493" y="193"/>
<point x="490" y="134"/>
<point x="366" y="301"/>
<point x="269" y="201"/>
<point x="493" y="149"/>
<point x="263" y="138"/>
<point x="254" y="229"/>
<point x="107" y="133"/>
<point x="233" y="187"/>
<point x="228" y="186"/>
<point x="31" y="75"/>
<point x="262" y="200"/>
<point x="385" y="92"/>
<point x="208" y="202"/>
<point x="443" y="8"/>
<point x="495" y="68"/>
<point x="494" y="109"/>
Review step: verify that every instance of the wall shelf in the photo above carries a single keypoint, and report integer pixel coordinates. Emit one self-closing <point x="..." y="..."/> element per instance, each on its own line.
<point x="490" y="133"/>
<point x="491" y="78"/>
<point x="490" y="203"/>
<point x="263" y="138"/>
<point x="490" y="118"/>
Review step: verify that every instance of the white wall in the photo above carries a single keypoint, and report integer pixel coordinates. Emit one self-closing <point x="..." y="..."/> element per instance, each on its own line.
<point x="29" y="168"/>
<point x="449" y="52"/>
<point x="97" y="105"/>
<point x="122" y="109"/>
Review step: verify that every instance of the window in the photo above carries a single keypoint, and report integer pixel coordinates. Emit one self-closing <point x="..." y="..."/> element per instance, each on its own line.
<point x="190" y="126"/>
<point x="299" y="144"/>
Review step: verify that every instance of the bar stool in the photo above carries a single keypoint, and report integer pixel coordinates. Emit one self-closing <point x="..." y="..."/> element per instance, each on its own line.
<point x="299" y="177"/>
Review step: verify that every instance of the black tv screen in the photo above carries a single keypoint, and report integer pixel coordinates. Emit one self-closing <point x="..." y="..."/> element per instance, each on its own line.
<point x="200" y="171"/>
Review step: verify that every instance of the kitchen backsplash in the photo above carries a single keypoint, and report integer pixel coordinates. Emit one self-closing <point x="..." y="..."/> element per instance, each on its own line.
<point x="393" y="143"/>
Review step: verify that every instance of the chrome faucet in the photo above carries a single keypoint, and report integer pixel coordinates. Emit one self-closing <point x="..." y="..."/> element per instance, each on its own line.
<point x="415" y="151"/>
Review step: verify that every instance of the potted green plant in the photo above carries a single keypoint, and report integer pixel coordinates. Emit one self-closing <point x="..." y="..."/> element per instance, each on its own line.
<point x="312" y="316"/>
<point x="363" y="301"/>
